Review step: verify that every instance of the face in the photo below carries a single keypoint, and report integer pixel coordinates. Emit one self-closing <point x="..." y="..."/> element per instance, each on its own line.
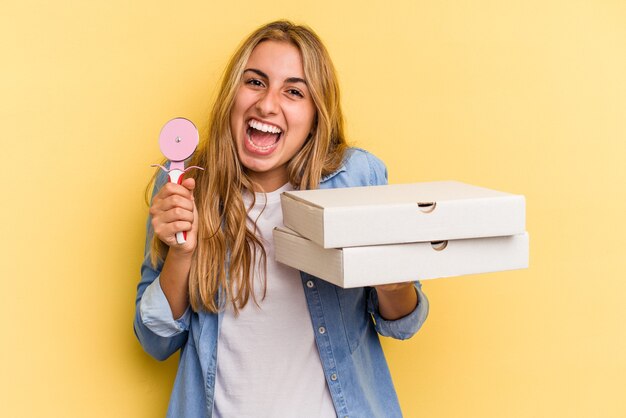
<point x="273" y="112"/>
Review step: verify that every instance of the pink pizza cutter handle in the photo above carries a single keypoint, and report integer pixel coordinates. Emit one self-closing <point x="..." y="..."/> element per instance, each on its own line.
<point x="176" y="176"/>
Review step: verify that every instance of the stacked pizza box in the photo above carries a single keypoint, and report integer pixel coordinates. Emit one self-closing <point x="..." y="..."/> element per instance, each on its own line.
<point x="366" y="236"/>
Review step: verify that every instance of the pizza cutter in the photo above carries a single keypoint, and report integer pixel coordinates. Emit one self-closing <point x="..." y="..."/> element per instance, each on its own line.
<point x="178" y="140"/>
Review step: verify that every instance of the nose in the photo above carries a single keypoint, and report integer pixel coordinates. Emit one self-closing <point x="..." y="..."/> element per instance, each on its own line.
<point x="268" y="103"/>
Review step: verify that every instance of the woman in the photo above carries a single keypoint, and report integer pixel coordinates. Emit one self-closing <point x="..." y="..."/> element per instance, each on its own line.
<point x="258" y="338"/>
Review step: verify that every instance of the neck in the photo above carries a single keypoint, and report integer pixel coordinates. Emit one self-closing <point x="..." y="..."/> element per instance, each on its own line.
<point x="268" y="182"/>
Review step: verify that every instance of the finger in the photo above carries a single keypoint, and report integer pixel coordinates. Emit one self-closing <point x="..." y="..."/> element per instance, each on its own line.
<point x="179" y="226"/>
<point x="189" y="184"/>
<point x="176" y="214"/>
<point x="173" y="189"/>
<point x="174" y="201"/>
<point x="394" y="286"/>
<point x="195" y="217"/>
<point x="159" y="208"/>
<point x="167" y="231"/>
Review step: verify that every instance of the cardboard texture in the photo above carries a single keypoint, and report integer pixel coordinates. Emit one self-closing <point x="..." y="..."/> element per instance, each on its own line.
<point x="383" y="264"/>
<point x="402" y="213"/>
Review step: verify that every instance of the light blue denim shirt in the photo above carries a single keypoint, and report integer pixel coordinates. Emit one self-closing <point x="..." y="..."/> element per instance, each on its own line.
<point x="346" y="324"/>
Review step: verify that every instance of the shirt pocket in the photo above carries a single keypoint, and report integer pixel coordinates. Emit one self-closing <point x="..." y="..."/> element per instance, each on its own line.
<point x="354" y="315"/>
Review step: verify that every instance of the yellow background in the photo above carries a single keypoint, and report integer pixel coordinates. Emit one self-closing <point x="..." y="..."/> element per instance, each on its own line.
<point x="524" y="96"/>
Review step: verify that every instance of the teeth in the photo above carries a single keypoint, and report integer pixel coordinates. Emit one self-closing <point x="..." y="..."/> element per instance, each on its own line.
<point x="259" y="126"/>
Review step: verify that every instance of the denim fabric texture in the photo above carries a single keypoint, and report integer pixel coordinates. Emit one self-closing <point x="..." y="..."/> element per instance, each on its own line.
<point x="346" y="324"/>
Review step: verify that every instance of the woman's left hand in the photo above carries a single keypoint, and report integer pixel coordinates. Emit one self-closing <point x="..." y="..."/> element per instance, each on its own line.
<point x="396" y="300"/>
<point x="393" y="286"/>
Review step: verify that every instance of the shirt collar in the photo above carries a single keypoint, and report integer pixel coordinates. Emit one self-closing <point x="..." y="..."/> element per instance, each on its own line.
<point x="333" y="174"/>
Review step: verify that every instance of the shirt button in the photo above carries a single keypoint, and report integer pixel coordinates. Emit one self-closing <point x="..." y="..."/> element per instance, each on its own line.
<point x="310" y="284"/>
<point x="322" y="330"/>
<point x="333" y="377"/>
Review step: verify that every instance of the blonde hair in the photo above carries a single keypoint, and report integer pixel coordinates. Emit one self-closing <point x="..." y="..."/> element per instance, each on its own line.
<point x="225" y="257"/>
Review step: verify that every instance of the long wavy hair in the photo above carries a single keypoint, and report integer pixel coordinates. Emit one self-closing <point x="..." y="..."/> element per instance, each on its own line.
<point x="223" y="264"/>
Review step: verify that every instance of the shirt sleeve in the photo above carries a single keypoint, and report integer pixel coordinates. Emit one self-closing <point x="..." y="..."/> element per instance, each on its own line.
<point x="156" y="313"/>
<point x="402" y="328"/>
<point x="156" y="345"/>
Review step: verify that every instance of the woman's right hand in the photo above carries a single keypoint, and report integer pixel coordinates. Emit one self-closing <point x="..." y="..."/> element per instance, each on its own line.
<point x="174" y="210"/>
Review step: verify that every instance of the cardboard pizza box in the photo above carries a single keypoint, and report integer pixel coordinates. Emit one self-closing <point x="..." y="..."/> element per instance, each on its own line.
<point x="402" y="213"/>
<point x="382" y="264"/>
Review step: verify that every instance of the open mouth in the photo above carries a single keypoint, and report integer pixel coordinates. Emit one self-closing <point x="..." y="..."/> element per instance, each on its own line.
<point x="262" y="137"/>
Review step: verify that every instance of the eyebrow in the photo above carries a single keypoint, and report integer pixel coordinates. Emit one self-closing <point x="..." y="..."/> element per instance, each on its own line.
<point x="288" y="80"/>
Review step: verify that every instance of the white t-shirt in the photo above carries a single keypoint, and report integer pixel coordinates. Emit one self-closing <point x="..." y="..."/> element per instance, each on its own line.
<point x="267" y="361"/>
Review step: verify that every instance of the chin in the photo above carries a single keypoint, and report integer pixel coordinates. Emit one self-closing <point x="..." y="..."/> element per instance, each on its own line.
<point x="257" y="164"/>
